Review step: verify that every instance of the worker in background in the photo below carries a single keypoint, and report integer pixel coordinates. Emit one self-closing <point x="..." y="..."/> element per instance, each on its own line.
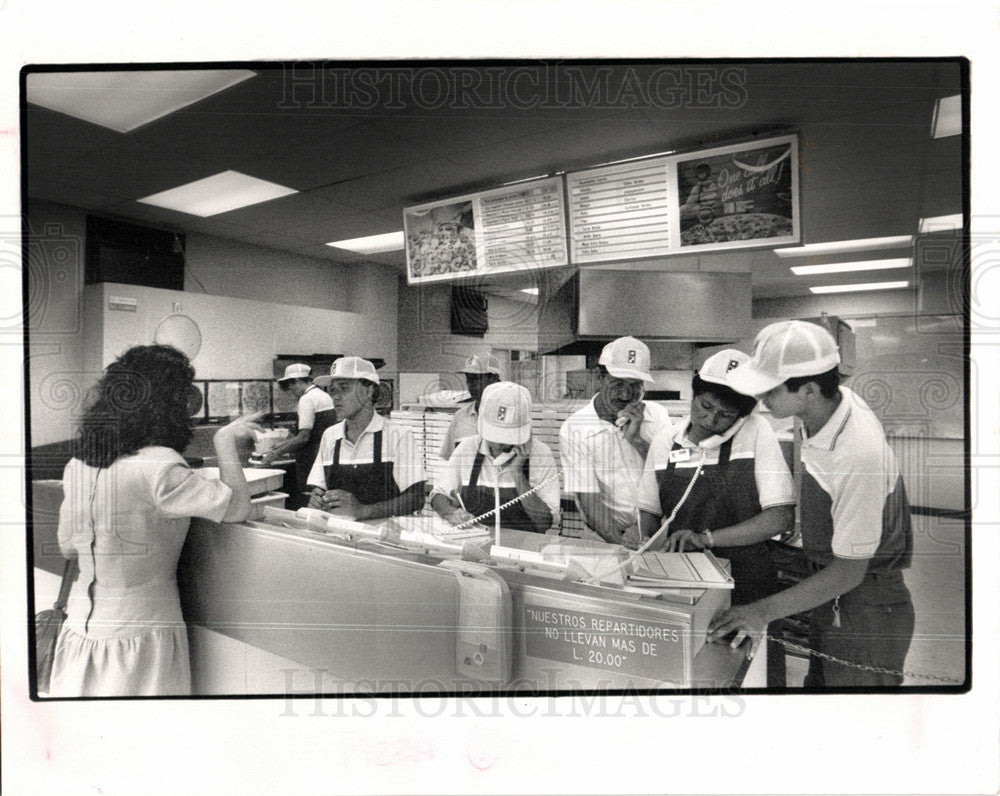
<point x="367" y="467"/>
<point x="501" y="453"/>
<point x="481" y="370"/>
<point x="311" y="400"/>
<point x="854" y="516"/>
<point x="603" y="446"/>
<point x="744" y="493"/>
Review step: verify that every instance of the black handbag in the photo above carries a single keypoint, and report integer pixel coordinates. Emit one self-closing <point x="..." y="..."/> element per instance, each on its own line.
<point x="47" y="626"/>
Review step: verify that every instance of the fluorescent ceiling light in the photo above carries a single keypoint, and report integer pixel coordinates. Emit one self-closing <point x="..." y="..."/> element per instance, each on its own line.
<point x="947" y="117"/>
<point x="864" y="265"/>
<point x="843" y="246"/>
<point x="531" y="291"/>
<point x="220" y="193"/>
<point x="941" y="223"/>
<point x="123" y="101"/>
<point x="857" y="288"/>
<point x="373" y="244"/>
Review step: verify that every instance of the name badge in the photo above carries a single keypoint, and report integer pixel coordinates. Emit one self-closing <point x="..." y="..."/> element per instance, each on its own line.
<point x="680" y="455"/>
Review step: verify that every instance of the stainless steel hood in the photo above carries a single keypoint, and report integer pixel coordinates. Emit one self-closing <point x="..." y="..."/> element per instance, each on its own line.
<point x="599" y="304"/>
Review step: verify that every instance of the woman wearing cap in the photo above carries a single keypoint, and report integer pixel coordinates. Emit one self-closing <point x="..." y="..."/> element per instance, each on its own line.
<point x="502" y="454"/>
<point x="603" y="446"/>
<point x="744" y="494"/>
<point x="367" y="467"/>
<point x="854" y="516"/>
<point x="312" y="401"/>
<point x="481" y="370"/>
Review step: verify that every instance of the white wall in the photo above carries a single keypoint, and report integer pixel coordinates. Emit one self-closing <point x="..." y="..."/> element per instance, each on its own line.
<point x="259" y="303"/>
<point x="240" y="337"/>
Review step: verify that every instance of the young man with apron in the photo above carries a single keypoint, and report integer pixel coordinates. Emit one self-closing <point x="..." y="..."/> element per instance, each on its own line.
<point x="855" y="518"/>
<point x="481" y="370"/>
<point x="367" y="467"/>
<point x="312" y="403"/>
<point x="503" y="454"/>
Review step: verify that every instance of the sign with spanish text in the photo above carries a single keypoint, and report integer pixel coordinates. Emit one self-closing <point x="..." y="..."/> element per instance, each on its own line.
<point x="654" y="650"/>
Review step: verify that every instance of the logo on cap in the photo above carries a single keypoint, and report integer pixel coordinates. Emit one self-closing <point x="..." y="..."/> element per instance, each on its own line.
<point x="631" y="356"/>
<point x="731" y="364"/>
<point x="501" y="413"/>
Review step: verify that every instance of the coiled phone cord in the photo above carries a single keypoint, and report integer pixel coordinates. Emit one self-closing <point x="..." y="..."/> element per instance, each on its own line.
<point x="596" y="579"/>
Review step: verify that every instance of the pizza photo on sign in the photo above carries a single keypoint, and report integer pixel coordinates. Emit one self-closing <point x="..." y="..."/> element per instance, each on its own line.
<point x="441" y="240"/>
<point x="742" y="195"/>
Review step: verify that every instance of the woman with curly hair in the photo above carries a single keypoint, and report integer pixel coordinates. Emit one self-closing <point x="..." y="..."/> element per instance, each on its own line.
<point x="129" y="497"/>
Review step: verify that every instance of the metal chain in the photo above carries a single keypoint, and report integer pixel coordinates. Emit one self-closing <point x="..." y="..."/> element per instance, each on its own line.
<point x="863" y="667"/>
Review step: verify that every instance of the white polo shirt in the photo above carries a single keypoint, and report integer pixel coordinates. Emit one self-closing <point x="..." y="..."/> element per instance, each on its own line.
<point x="398" y="447"/>
<point x="541" y="467"/>
<point x="313" y="400"/>
<point x="464" y="424"/>
<point x="597" y="459"/>
<point x="754" y="445"/>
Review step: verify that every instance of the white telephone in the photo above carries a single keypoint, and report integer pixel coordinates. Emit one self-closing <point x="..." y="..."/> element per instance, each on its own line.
<point x="504" y="458"/>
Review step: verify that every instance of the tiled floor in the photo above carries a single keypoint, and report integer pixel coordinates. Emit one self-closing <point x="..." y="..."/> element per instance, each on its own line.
<point x="936" y="580"/>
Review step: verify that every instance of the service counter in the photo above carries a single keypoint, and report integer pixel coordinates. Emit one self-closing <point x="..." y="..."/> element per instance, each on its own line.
<point x="278" y="608"/>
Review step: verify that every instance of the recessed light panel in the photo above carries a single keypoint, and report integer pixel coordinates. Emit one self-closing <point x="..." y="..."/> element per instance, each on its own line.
<point x="220" y="193"/>
<point x="941" y="223"/>
<point x="123" y="101"/>
<point x="840" y="268"/>
<point x="373" y="244"/>
<point x="860" y="288"/>
<point x="844" y="246"/>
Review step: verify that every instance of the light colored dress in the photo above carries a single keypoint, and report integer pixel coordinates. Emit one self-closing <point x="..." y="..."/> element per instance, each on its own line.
<point x="124" y="634"/>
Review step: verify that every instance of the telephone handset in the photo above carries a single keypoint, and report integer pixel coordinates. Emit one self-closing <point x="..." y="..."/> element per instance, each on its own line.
<point x="504" y="458"/>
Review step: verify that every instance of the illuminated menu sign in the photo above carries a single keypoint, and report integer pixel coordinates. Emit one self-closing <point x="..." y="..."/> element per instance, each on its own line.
<point x="731" y="197"/>
<point x="518" y="227"/>
<point x="620" y="211"/>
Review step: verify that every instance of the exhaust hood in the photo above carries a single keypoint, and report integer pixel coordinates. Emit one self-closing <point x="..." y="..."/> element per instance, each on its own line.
<point x="599" y="304"/>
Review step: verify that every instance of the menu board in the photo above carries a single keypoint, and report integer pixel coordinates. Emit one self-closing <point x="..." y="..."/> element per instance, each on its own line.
<point x="621" y="212"/>
<point x="518" y="227"/>
<point x="737" y="196"/>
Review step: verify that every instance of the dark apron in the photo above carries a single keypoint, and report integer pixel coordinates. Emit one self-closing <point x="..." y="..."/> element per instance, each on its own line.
<point x="479" y="499"/>
<point x="371" y="482"/>
<point x="717" y="501"/>
<point x="306" y="457"/>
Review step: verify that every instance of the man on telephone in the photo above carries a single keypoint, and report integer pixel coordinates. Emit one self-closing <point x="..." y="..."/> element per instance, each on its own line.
<point x="503" y="455"/>
<point x="603" y="446"/>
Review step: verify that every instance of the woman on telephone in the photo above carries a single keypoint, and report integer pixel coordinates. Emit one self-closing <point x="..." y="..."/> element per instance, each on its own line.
<point x="502" y="455"/>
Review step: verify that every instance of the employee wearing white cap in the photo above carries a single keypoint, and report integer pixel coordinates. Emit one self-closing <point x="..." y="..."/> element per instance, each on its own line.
<point x="367" y="467"/>
<point x="312" y="400"/>
<point x="603" y="446"/>
<point x="502" y="454"/>
<point x="481" y="370"/>
<point x="855" y="518"/>
<point x="744" y="494"/>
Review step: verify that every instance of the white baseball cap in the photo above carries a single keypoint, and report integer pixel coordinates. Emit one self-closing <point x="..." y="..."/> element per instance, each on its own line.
<point x="349" y="368"/>
<point x="783" y="351"/>
<point x="505" y="414"/>
<point x="626" y="358"/>
<point x="717" y="367"/>
<point x="296" y="371"/>
<point x="482" y="363"/>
